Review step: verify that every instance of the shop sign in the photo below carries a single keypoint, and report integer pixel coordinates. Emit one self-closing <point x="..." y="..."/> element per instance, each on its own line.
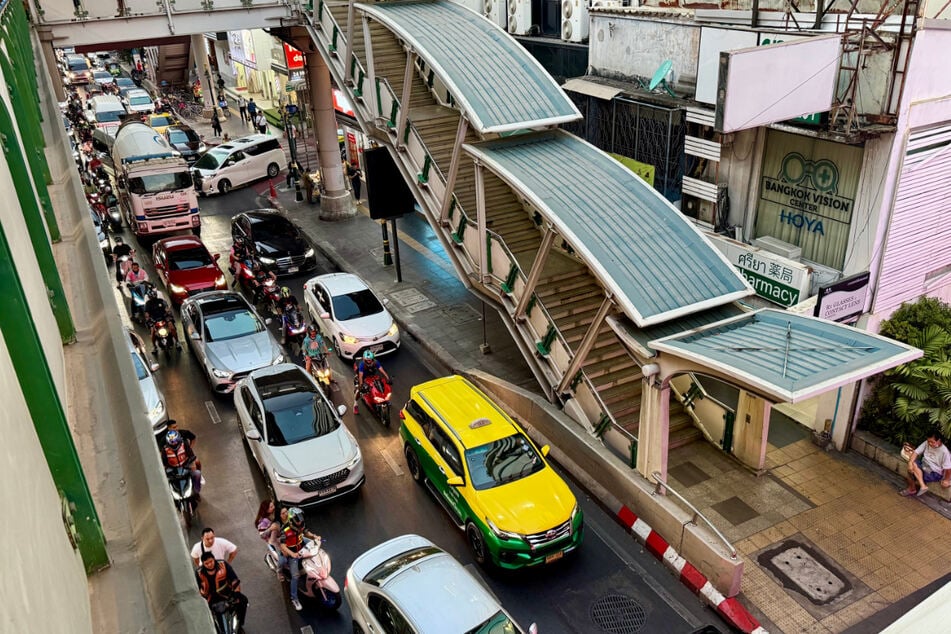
<point x="294" y="58"/>
<point x="241" y="47"/>
<point x="644" y="170"/>
<point x="844" y="300"/>
<point x="342" y="104"/>
<point x="773" y="277"/>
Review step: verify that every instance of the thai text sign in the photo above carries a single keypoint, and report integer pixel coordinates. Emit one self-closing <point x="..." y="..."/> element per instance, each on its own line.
<point x="773" y="277"/>
<point x="844" y="300"/>
<point x="293" y="57"/>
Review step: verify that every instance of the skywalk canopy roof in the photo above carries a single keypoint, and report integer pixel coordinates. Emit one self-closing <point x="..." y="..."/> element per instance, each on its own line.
<point x="642" y="249"/>
<point x="785" y="356"/>
<point x="498" y="85"/>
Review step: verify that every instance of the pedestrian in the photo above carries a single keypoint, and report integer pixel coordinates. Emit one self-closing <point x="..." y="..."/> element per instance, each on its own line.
<point x="221" y="82"/>
<point x="354" y="175"/>
<point x="252" y="109"/>
<point x="223" y="104"/>
<point x="243" y="109"/>
<point x="293" y="173"/>
<point x="221" y="548"/>
<point x="216" y="123"/>
<point x="260" y="122"/>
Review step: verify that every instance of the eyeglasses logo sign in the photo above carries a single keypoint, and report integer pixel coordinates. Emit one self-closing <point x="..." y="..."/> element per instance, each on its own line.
<point x="798" y="170"/>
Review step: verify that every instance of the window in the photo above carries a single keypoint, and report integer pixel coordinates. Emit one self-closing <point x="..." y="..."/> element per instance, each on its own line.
<point x="424" y="419"/>
<point x="185" y="259"/>
<point x="298" y="416"/>
<point x="158" y="183"/>
<point x="388" y="615"/>
<point x="321" y="296"/>
<point x="356" y="305"/>
<point x="446" y="449"/>
<point x="262" y="147"/>
<point x="231" y="325"/>
<point x="504" y="460"/>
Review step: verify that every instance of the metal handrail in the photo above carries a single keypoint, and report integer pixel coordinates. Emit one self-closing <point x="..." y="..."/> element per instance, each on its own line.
<point x="696" y="512"/>
<point x="706" y="395"/>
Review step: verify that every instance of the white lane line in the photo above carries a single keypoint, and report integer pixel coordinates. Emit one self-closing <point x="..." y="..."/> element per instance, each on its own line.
<point x="212" y="412"/>
<point x="251" y="500"/>
<point x="397" y="469"/>
<point x="306" y="630"/>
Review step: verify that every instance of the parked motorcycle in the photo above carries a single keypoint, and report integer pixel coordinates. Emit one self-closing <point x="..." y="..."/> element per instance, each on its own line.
<point x="315" y="584"/>
<point x="183" y="493"/>
<point x="140" y="295"/>
<point x="376" y="394"/>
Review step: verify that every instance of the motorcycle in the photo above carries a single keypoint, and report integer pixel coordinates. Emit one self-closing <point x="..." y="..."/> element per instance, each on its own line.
<point x="98" y="206"/>
<point x="225" y="616"/>
<point x="113" y="211"/>
<point x="183" y="493"/>
<point x="316" y="585"/>
<point x="140" y="295"/>
<point x="269" y="294"/>
<point x="294" y="327"/>
<point x="376" y="394"/>
<point x="164" y="340"/>
<point x="320" y="370"/>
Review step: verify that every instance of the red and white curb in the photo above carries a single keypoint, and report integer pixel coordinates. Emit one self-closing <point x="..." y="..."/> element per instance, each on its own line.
<point x="730" y="609"/>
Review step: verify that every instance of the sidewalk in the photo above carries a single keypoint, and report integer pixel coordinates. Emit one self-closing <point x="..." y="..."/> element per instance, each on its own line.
<point x="877" y="549"/>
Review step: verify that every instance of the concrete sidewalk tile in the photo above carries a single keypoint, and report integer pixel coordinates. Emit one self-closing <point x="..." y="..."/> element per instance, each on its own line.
<point x="900" y="589"/>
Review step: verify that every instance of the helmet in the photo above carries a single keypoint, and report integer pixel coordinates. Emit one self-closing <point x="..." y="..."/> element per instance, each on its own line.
<point x="368" y="356"/>
<point x="285" y="292"/>
<point x="153" y="293"/>
<point x="312" y="330"/>
<point x="173" y="438"/>
<point x="296" y="516"/>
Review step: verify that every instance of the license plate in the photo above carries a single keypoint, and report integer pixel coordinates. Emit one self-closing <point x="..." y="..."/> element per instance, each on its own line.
<point x="293" y="269"/>
<point x="326" y="492"/>
<point x="554" y="557"/>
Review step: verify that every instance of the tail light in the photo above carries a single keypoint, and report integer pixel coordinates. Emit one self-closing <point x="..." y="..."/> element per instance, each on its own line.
<point x="402" y="415"/>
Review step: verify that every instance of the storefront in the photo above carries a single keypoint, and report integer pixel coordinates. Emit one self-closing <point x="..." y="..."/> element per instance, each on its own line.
<point x="353" y="140"/>
<point x="249" y="56"/>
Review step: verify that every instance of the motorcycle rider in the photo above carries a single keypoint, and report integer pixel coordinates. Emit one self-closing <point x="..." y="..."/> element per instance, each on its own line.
<point x="292" y="537"/>
<point x="240" y="256"/>
<point x="178" y="453"/>
<point x="313" y="346"/>
<point x="285" y="306"/>
<point x="157" y="309"/>
<point x="136" y="276"/>
<point x="261" y="276"/>
<point x="119" y="250"/>
<point x="365" y="369"/>
<point x="217" y="582"/>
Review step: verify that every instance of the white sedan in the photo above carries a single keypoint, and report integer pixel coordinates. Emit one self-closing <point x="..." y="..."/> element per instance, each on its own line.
<point x="304" y="450"/>
<point x="350" y="315"/>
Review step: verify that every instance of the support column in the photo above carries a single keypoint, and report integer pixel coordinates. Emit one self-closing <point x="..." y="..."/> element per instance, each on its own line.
<point x="750" y="430"/>
<point x="401" y="131"/>
<point x="49" y="57"/>
<point x="201" y="65"/>
<point x="461" y="131"/>
<point x="534" y="273"/>
<point x="481" y="224"/>
<point x="335" y="201"/>
<point x="653" y="433"/>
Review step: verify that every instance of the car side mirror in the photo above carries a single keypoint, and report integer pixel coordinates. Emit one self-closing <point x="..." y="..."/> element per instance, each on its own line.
<point x="341" y="409"/>
<point x="455" y="481"/>
<point x="545" y="450"/>
<point x="253" y="434"/>
<point x="325" y="315"/>
<point x="196" y="336"/>
<point x="268" y="321"/>
<point x="217" y="257"/>
<point x="154" y="367"/>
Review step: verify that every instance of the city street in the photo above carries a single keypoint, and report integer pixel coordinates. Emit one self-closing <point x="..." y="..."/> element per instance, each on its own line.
<point x="611" y="584"/>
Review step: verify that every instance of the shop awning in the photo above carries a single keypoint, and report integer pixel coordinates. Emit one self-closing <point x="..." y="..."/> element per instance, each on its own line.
<point x="787" y="357"/>
<point x="585" y="87"/>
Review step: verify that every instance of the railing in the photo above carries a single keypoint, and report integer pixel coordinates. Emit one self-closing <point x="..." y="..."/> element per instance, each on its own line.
<point x="708" y="414"/>
<point x="660" y="484"/>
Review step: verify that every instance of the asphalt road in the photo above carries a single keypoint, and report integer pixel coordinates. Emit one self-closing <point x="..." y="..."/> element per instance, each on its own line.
<point x="611" y="585"/>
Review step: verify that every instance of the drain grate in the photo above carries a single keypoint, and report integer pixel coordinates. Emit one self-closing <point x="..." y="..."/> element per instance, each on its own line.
<point x="618" y="614"/>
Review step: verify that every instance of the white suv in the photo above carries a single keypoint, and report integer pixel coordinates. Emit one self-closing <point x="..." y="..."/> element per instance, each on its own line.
<point x="238" y="162"/>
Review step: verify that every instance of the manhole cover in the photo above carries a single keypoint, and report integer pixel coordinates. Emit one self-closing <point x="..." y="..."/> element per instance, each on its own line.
<point x="462" y="314"/>
<point x="801" y="568"/>
<point x="618" y="614"/>
<point x="407" y="297"/>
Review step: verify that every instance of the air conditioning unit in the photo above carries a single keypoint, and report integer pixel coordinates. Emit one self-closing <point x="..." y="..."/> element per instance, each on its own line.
<point x="574" y="21"/>
<point x="777" y="246"/>
<point x="520" y="17"/>
<point x="495" y="10"/>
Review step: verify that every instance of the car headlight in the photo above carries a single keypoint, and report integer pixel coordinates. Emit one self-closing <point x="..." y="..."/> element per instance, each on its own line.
<point x="393" y="330"/>
<point x="574" y="512"/>
<point x="284" y="479"/>
<point x="349" y="339"/>
<point x="353" y="462"/>
<point x="309" y="253"/>
<point x="222" y="374"/>
<point x="175" y="288"/>
<point x="220" y="280"/>
<point x="278" y="359"/>
<point x="157" y="411"/>
<point x="498" y="532"/>
<point x="264" y="260"/>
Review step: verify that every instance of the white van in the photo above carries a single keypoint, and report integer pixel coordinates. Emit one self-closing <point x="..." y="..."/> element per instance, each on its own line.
<point x="238" y="162"/>
<point x="106" y="111"/>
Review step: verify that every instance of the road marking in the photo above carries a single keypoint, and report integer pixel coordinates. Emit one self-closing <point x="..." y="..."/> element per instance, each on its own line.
<point x="306" y="630"/>
<point x="212" y="412"/>
<point x="397" y="469"/>
<point x="250" y="498"/>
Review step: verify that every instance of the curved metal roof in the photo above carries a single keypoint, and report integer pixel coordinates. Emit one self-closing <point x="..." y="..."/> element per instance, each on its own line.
<point x="642" y="249"/>
<point x="786" y="356"/>
<point x="498" y="85"/>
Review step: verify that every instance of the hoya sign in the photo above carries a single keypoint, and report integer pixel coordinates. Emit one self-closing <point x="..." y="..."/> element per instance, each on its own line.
<point x="775" y="278"/>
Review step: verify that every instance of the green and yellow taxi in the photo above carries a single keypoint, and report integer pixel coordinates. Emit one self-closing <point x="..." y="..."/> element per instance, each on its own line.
<point x="490" y="477"/>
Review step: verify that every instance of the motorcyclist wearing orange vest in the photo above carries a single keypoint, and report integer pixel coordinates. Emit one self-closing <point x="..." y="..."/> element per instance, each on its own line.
<point x="291" y="539"/>
<point x="219" y="585"/>
<point x="178" y="453"/>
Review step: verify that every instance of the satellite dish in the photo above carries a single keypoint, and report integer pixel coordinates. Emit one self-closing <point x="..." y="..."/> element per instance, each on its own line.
<point x="660" y="74"/>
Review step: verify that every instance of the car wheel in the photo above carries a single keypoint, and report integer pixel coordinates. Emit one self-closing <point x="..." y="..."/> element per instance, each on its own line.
<point x="477" y="543"/>
<point x="412" y="463"/>
<point x="224" y="186"/>
<point x="273" y="170"/>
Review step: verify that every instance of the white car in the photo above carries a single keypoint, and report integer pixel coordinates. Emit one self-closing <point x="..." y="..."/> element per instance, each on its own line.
<point x="350" y="315"/>
<point x="137" y="100"/>
<point x="408" y="584"/>
<point x="298" y="439"/>
<point x="103" y="77"/>
<point x="144" y="369"/>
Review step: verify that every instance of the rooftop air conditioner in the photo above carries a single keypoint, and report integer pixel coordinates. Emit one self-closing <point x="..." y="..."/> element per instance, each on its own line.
<point x="777" y="246"/>
<point x="495" y="10"/>
<point x="574" y="21"/>
<point x="520" y="17"/>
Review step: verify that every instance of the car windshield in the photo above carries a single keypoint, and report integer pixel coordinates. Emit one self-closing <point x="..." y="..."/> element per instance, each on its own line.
<point x="124" y="82"/>
<point x="182" y="136"/>
<point x="156" y="183"/>
<point x="266" y="230"/>
<point x="297" y="416"/>
<point x="107" y="116"/>
<point x="140" y="371"/>
<point x="500" y="623"/>
<point x="355" y="305"/>
<point x="141" y="100"/>
<point x="77" y="64"/>
<point x="185" y="259"/>
<point x="231" y="325"/>
<point x="158" y="122"/>
<point x="504" y="460"/>
<point x="101" y="74"/>
<point x="211" y="160"/>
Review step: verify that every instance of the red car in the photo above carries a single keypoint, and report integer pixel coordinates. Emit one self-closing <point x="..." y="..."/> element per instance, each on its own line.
<point x="186" y="267"/>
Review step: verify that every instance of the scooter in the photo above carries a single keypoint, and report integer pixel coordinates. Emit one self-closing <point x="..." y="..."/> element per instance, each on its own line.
<point x="113" y="211"/>
<point x="183" y="493"/>
<point x="320" y="370"/>
<point x="376" y="394"/>
<point x="294" y="327"/>
<point x="164" y="340"/>
<point x="140" y="295"/>
<point x="316" y="585"/>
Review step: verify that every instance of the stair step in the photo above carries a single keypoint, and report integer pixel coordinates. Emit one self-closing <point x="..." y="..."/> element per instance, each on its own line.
<point x="566" y="296"/>
<point x="584" y="305"/>
<point x="566" y="275"/>
<point x="683" y="436"/>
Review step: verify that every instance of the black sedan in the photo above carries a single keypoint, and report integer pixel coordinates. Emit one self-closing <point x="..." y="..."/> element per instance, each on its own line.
<point x="278" y="243"/>
<point x="186" y="141"/>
